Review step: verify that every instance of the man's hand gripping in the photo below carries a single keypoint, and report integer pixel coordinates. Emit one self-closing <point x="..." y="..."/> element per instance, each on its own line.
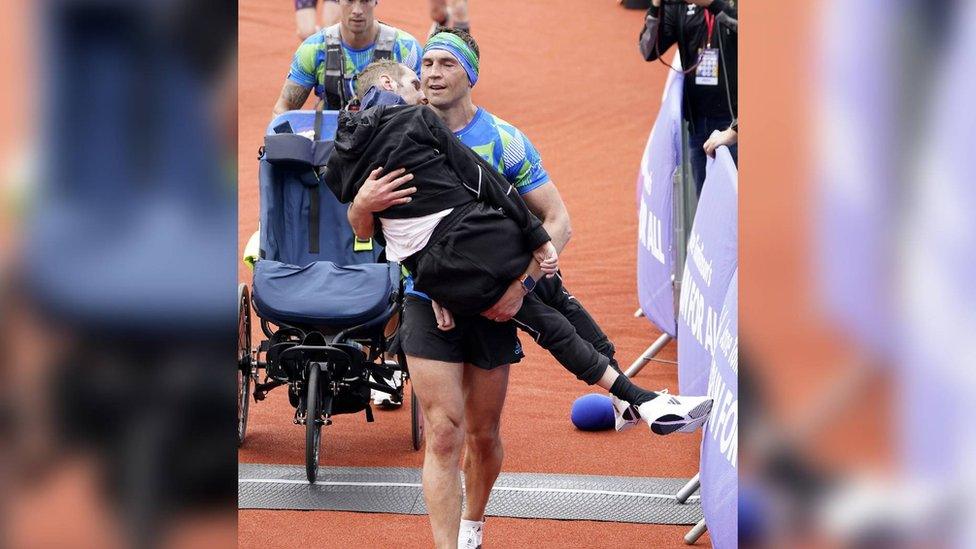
<point x="379" y="192"/>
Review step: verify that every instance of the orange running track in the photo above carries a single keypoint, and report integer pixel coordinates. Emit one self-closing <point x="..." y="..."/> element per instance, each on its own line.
<point x="569" y="75"/>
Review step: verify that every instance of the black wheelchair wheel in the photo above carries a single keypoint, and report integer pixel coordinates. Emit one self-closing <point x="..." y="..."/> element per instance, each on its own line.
<point x="416" y="420"/>
<point x="313" y="427"/>
<point x="243" y="359"/>
<point x="416" y="414"/>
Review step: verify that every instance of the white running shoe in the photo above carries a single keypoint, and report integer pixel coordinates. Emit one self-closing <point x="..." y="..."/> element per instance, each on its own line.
<point x="625" y="415"/>
<point x="667" y="414"/>
<point x="470" y="534"/>
<point x="384" y="400"/>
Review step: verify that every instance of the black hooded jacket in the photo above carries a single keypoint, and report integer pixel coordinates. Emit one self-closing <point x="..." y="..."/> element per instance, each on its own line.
<point x="675" y="24"/>
<point x="447" y="173"/>
<point x="476" y="251"/>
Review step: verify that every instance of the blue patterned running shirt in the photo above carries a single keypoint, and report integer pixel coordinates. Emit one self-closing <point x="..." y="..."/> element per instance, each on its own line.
<point x="507" y="149"/>
<point x="308" y="64"/>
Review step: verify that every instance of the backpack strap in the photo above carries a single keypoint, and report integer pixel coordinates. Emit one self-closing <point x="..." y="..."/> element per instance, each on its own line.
<point x="334" y="81"/>
<point x="314" y="215"/>
<point x="384" y="42"/>
<point x="335" y="69"/>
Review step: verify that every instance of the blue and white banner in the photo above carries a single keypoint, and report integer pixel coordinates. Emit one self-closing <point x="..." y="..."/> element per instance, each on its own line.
<point x="720" y="439"/>
<point x="713" y="255"/>
<point x="655" y="206"/>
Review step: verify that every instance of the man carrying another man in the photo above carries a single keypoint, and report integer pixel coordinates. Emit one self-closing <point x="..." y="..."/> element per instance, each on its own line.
<point x="460" y="365"/>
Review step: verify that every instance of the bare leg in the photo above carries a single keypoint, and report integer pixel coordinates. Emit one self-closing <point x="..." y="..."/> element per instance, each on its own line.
<point x="438" y="11"/>
<point x="484" y="392"/>
<point x="439" y="387"/>
<point x="459" y="13"/>
<point x="305" y="22"/>
<point x="330" y="13"/>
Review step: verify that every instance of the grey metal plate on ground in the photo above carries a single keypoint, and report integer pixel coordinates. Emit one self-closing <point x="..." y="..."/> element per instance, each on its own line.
<point x="521" y="495"/>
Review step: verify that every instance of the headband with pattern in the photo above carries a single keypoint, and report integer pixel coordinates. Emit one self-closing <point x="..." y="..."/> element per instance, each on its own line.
<point x="454" y="45"/>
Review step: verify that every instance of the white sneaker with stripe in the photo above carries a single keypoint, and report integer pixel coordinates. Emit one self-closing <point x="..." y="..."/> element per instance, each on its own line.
<point x="625" y="415"/>
<point x="667" y="414"/>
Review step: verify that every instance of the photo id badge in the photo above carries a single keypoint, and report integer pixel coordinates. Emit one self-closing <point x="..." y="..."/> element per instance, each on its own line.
<point x="707" y="72"/>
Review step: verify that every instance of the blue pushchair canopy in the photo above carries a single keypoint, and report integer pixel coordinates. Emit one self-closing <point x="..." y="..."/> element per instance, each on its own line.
<point x="311" y="270"/>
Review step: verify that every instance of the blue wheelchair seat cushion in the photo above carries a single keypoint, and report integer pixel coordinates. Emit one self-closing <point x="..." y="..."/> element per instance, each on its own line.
<point x="323" y="293"/>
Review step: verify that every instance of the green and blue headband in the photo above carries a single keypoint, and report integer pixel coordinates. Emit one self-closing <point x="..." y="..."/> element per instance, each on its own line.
<point x="454" y="45"/>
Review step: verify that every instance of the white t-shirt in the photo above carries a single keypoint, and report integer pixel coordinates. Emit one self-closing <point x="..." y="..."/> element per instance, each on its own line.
<point x="405" y="237"/>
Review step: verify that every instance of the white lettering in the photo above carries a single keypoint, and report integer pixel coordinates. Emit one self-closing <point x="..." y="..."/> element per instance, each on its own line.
<point x="654" y="240"/>
<point x="716" y="386"/>
<point x="728" y="344"/>
<point x="711" y="331"/>
<point x="696" y="251"/>
<point x="722" y="429"/>
<point x="642" y="223"/>
<point x="692" y="309"/>
<point x="720" y="416"/>
<point x="726" y="340"/>
<point x="649" y="232"/>
<point x="730" y="433"/>
<point x="713" y="379"/>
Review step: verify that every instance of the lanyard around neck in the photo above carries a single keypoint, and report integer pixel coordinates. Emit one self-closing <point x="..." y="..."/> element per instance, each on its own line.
<point x="710" y="25"/>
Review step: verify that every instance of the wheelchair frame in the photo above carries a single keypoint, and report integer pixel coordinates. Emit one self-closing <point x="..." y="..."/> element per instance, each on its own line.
<point x="318" y="373"/>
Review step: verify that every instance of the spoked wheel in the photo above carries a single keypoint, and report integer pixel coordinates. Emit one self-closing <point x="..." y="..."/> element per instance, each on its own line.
<point x="416" y="420"/>
<point x="416" y="415"/>
<point x="243" y="359"/>
<point x="313" y="425"/>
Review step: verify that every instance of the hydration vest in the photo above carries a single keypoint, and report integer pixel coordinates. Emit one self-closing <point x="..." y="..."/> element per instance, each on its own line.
<point x="337" y="94"/>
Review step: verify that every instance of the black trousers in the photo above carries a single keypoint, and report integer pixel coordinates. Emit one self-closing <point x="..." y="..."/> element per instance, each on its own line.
<point x="554" y="293"/>
<point x="560" y="325"/>
<point x="471" y="260"/>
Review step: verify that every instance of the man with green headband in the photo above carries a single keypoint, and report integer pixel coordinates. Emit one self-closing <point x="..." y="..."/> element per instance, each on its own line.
<point x="459" y="360"/>
<point x="471" y="367"/>
<point x="449" y="71"/>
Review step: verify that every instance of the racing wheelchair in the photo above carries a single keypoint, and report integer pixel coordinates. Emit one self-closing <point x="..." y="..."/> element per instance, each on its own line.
<point x="328" y="303"/>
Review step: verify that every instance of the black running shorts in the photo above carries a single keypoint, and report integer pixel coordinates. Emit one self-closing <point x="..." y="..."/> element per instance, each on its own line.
<point x="475" y="339"/>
